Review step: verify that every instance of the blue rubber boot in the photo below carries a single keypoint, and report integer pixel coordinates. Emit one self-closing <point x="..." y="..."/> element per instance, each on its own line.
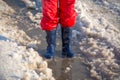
<point x="51" y="41"/>
<point x="66" y="43"/>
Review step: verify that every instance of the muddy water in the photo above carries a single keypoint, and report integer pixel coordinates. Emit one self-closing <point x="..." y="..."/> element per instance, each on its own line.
<point x="69" y="69"/>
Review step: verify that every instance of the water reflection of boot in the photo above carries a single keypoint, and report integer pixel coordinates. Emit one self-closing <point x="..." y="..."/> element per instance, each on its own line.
<point x="66" y="42"/>
<point x="65" y="71"/>
<point x="51" y="41"/>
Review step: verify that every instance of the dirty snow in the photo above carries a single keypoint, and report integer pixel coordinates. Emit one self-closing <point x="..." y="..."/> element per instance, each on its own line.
<point x="99" y="23"/>
<point x="19" y="63"/>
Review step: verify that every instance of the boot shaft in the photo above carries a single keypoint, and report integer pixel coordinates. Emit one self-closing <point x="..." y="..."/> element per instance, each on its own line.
<point x="51" y="43"/>
<point x="66" y="37"/>
<point x="66" y="42"/>
<point x="51" y="37"/>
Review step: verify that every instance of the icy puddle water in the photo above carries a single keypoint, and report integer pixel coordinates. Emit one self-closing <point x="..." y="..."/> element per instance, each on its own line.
<point x="69" y="69"/>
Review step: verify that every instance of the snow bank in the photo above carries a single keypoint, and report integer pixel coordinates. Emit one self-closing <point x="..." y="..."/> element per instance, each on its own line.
<point x="19" y="63"/>
<point x="99" y="39"/>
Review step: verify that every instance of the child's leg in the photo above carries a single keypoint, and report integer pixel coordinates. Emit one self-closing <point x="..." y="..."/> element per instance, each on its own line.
<point x="50" y="14"/>
<point x="67" y="20"/>
<point x="48" y="23"/>
<point x="67" y="13"/>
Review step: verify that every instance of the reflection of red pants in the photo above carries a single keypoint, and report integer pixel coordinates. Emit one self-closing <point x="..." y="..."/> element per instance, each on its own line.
<point x="65" y="15"/>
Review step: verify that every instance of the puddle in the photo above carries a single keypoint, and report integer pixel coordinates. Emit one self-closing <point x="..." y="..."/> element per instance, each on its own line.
<point x="69" y="69"/>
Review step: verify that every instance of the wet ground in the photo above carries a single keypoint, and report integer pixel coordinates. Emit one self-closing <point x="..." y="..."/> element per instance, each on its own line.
<point x="63" y="68"/>
<point x="69" y="69"/>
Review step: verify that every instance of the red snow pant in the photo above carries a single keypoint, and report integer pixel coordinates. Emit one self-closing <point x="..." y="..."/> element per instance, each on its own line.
<point x="58" y="11"/>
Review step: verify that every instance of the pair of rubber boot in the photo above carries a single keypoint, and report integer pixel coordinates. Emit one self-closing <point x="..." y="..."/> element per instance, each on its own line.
<point x="66" y="43"/>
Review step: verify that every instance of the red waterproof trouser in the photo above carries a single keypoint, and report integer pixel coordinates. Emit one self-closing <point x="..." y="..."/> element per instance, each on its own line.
<point x="55" y="12"/>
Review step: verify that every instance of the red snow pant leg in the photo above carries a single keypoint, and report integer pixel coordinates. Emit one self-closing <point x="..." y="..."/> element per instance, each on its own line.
<point x="67" y="13"/>
<point x="50" y="18"/>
